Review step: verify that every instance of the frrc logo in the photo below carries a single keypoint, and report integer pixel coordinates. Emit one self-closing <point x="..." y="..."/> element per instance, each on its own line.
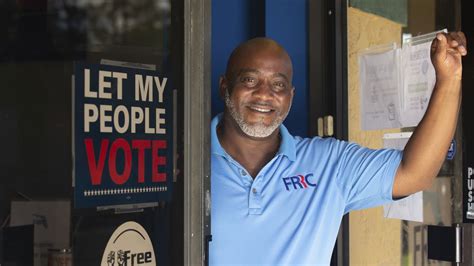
<point x="299" y="182"/>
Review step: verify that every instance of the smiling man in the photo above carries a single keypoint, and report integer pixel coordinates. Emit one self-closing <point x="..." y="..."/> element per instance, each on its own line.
<point x="278" y="199"/>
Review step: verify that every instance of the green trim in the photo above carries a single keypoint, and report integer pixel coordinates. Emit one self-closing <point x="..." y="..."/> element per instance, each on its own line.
<point x="396" y="10"/>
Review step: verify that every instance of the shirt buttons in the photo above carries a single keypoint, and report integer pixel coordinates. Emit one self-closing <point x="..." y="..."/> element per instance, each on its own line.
<point x="242" y="172"/>
<point x="254" y="190"/>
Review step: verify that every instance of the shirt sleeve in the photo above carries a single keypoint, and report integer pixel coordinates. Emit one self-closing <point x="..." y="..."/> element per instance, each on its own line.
<point x="366" y="176"/>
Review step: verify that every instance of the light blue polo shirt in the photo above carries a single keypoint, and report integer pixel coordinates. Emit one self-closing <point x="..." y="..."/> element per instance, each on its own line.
<point x="291" y="212"/>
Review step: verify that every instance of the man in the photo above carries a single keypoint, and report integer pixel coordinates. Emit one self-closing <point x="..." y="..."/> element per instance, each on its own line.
<point x="279" y="199"/>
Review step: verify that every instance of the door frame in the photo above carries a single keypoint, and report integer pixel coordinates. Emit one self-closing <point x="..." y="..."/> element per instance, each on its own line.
<point x="328" y="85"/>
<point x="197" y="113"/>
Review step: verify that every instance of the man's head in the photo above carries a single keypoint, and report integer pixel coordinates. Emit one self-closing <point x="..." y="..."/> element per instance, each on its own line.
<point x="257" y="87"/>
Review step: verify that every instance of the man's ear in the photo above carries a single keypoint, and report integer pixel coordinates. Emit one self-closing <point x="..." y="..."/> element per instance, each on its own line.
<point x="223" y="85"/>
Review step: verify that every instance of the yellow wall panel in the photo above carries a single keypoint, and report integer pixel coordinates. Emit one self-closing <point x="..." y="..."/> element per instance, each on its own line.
<point x="374" y="240"/>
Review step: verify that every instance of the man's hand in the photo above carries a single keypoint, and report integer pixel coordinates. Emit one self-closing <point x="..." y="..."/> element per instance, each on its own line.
<point x="446" y="53"/>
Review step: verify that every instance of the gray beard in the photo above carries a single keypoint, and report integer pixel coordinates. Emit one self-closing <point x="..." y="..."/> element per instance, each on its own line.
<point x="258" y="130"/>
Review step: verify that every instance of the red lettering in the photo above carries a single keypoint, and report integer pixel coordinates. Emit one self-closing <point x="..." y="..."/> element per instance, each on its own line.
<point x="114" y="175"/>
<point x="302" y="181"/>
<point x="157" y="161"/>
<point x="96" y="168"/>
<point x="141" y="145"/>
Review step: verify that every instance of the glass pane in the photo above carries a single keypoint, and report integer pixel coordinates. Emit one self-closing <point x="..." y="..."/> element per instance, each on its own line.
<point x="373" y="28"/>
<point x="40" y="42"/>
<point x="427" y="16"/>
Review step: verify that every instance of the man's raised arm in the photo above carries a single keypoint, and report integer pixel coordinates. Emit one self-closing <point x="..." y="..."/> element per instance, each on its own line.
<point x="426" y="150"/>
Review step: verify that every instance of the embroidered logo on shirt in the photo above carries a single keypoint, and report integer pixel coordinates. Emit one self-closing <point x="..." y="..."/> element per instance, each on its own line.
<point x="299" y="182"/>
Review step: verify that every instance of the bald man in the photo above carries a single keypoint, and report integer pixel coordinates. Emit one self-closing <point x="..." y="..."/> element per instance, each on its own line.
<point x="278" y="199"/>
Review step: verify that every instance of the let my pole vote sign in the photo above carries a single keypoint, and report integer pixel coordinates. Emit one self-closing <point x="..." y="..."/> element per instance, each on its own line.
<point x="123" y="126"/>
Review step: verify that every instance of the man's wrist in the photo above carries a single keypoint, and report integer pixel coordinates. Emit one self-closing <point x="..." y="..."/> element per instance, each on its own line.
<point x="451" y="84"/>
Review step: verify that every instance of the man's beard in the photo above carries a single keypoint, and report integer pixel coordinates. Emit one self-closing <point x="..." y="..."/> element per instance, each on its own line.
<point x="259" y="129"/>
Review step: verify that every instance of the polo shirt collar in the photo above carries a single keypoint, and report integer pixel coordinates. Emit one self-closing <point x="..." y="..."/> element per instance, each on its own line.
<point x="287" y="145"/>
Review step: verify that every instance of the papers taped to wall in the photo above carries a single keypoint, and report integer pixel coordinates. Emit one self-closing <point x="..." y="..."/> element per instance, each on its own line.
<point x="379" y="83"/>
<point x="396" y="83"/>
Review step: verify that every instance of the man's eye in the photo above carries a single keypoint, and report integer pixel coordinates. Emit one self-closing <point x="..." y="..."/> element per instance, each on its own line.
<point x="248" y="80"/>
<point x="279" y="85"/>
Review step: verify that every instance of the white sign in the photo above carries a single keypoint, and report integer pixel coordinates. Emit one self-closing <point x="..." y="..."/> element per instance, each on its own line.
<point x="409" y="208"/>
<point x="418" y="82"/>
<point x="129" y="245"/>
<point x="379" y="83"/>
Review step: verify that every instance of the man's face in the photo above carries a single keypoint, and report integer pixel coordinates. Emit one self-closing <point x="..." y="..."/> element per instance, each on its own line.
<point x="258" y="93"/>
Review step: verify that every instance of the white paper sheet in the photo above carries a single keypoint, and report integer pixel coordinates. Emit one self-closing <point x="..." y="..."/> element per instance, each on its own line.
<point x="411" y="207"/>
<point x="418" y="81"/>
<point x="379" y="83"/>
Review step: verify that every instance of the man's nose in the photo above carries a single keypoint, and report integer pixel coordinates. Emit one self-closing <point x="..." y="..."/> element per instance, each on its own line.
<point x="264" y="90"/>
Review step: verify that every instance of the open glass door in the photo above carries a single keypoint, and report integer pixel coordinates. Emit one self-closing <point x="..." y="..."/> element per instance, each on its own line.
<point x="92" y="132"/>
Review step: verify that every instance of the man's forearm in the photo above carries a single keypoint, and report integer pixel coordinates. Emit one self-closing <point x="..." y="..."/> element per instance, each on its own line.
<point x="426" y="150"/>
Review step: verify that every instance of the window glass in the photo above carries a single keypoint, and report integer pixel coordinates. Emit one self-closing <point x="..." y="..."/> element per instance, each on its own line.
<point x="39" y="42"/>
